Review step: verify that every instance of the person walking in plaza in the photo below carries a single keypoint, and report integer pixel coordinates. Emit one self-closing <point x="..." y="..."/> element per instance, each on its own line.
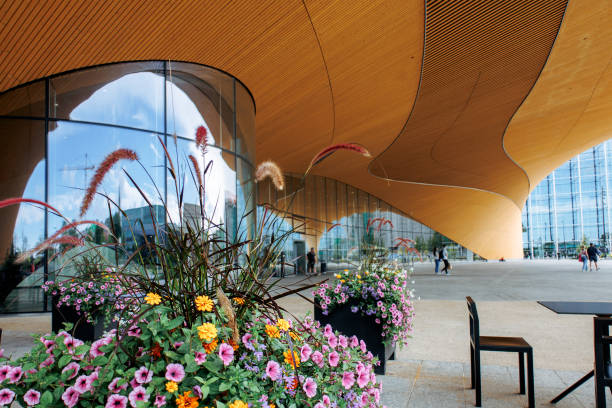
<point x="436" y="259"/>
<point x="312" y="259"/>
<point x="444" y="258"/>
<point x="593" y="253"/>
<point x="583" y="257"/>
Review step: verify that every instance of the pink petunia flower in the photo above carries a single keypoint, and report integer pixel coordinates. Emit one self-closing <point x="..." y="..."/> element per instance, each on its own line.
<point x="317" y="357"/>
<point x="348" y="379"/>
<point x="343" y="341"/>
<point x="116" y="401"/>
<point x="273" y="370"/>
<point x="50" y="360"/>
<point x="333" y="359"/>
<point x="72" y="366"/>
<point x="160" y="401"/>
<point x="134" y="331"/>
<point x="114" y="387"/>
<point x="326" y="400"/>
<point x="354" y="341"/>
<point x="4" y="370"/>
<point x="70" y="397"/>
<point x="363" y="378"/>
<point x="332" y="340"/>
<point x="83" y="384"/>
<point x="362" y="345"/>
<point x="138" y="394"/>
<point x="31" y="397"/>
<point x="15" y="374"/>
<point x="6" y="396"/>
<point x="319" y="405"/>
<point x="328" y="330"/>
<point x="305" y="352"/>
<point x="310" y="387"/>
<point x="96" y="346"/>
<point x="200" y="357"/>
<point x="197" y="391"/>
<point x="143" y="375"/>
<point x="175" y="372"/>
<point x="226" y="352"/>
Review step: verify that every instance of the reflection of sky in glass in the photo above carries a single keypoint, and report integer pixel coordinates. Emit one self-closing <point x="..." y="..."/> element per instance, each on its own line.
<point x="29" y="228"/>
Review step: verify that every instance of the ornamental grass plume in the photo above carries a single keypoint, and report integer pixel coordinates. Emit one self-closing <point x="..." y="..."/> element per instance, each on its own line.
<point x="201" y="138"/>
<point x="325" y="153"/>
<point x="196" y="169"/>
<point x="13" y="201"/>
<point x="105" y="166"/>
<point x="333" y="226"/>
<point x="270" y="169"/>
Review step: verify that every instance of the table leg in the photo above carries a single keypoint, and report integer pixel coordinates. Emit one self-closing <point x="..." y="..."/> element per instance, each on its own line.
<point x="572" y="387"/>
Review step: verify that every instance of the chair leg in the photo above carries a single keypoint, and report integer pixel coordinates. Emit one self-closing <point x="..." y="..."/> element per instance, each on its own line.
<point x="530" y="379"/>
<point x="521" y="357"/>
<point x="472" y="366"/>
<point x="478" y="383"/>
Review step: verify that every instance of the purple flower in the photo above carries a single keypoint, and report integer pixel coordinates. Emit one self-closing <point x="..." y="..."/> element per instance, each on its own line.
<point x="333" y="359"/>
<point x="200" y="357"/>
<point x="348" y="379"/>
<point x="354" y="309"/>
<point x="6" y="396"/>
<point x="273" y="370"/>
<point x="83" y="384"/>
<point x="305" y="352"/>
<point x="143" y="375"/>
<point x="248" y="343"/>
<point x="116" y="401"/>
<point x="113" y="387"/>
<point x="197" y="391"/>
<point x="226" y="352"/>
<point x="32" y="397"/>
<point x="139" y="394"/>
<point x="15" y="374"/>
<point x="70" y="397"/>
<point x="160" y="401"/>
<point x="310" y="387"/>
<point x="174" y="372"/>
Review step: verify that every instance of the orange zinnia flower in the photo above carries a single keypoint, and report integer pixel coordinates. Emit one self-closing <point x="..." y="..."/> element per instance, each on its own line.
<point x="156" y="350"/>
<point x="233" y="344"/>
<point x="291" y="358"/>
<point x="185" y="401"/>
<point x="210" y="347"/>
<point x="272" y="331"/>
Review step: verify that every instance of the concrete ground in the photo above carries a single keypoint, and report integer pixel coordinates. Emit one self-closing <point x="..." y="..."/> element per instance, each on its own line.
<point x="433" y="370"/>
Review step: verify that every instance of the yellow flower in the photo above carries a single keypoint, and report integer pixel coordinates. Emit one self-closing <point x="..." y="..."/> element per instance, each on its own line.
<point x="238" y="300"/>
<point x="338" y="276"/>
<point x="367" y="273"/>
<point x="207" y="331"/>
<point x="342" y="280"/>
<point x="153" y="299"/>
<point x="171" y="386"/>
<point x="358" y="277"/>
<point x="272" y="406"/>
<point x="204" y="303"/>
<point x="294" y="335"/>
<point x="346" y="270"/>
<point x="283" y="324"/>
<point x="272" y="331"/>
<point x="238" y="404"/>
<point x="289" y="358"/>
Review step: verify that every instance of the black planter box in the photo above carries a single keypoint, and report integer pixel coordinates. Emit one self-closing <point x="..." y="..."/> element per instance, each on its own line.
<point x="81" y="329"/>
<point x="364" y="327"/>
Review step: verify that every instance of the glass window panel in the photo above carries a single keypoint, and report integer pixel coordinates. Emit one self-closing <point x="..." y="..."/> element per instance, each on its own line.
<point x="245" y="200"/>
<point x="129" y="94"/>
<point x="22" y="226"/>
<point x="245" y="123"/>
<point x="28" y="100"/>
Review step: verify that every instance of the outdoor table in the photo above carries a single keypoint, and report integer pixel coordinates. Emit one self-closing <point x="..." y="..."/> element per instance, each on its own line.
<point x="603" y="309"/>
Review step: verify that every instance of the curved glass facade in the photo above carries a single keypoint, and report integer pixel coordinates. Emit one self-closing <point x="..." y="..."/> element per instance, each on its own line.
<point x="55" y="131"/>
<point x="332" y="217"/>
<point x="571" y="206"/>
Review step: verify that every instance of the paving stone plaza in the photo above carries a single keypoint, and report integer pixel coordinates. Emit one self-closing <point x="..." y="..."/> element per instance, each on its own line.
<point x="433" y="370"/>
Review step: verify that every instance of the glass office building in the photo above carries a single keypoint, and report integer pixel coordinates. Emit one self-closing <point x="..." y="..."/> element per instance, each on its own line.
<point x="55" y="132"/>
<point x="571" y="207"/>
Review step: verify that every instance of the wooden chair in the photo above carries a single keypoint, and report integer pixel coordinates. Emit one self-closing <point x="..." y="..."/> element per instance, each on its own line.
<point x="603" y="340"/>
<point x="480" y="343"/>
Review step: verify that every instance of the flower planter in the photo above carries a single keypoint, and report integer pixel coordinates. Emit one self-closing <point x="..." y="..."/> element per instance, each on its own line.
<point x="365" y="328"/>
<point x="81" y="329"/>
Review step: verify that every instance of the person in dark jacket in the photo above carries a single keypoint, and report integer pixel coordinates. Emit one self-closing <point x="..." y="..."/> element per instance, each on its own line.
<point x="593" y="253"/>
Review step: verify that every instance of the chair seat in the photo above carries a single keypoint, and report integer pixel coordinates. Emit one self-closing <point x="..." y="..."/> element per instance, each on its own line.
<point x="493" y="343"/>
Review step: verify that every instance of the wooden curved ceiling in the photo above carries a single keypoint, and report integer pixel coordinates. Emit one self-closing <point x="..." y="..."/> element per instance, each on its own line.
<point x="324" y="72"/>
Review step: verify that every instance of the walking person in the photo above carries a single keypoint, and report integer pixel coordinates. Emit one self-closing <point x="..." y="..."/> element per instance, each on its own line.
<point x="444" y="258"/>
<point x="583" y="257"/>
<point x="312" y="259"/>
<point x="593" y="253"/>
<point x="436" y="259"/>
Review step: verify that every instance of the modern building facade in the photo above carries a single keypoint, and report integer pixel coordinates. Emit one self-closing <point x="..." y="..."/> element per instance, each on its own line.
<point x="571" y="207"/>
<point x="56" y="131"/>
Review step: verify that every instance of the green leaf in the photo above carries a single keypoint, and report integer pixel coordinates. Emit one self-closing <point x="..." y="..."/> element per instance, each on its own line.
<point x="81" y="349"/>
<point x="63" y="361"/>
<point x="221" y="405"/>
<point x="205" y="390"/>
<point x="100" y="361"/>
<point x="46" y="399"/>
<point x="174" y="323"/>
<point x="224" y="386"/>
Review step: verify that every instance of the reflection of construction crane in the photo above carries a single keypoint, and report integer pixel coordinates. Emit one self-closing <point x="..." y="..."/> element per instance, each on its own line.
<point x="84" y="169"/>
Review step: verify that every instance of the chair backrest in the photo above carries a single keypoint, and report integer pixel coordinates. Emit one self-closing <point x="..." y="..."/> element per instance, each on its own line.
<point x="474" y="323"/>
